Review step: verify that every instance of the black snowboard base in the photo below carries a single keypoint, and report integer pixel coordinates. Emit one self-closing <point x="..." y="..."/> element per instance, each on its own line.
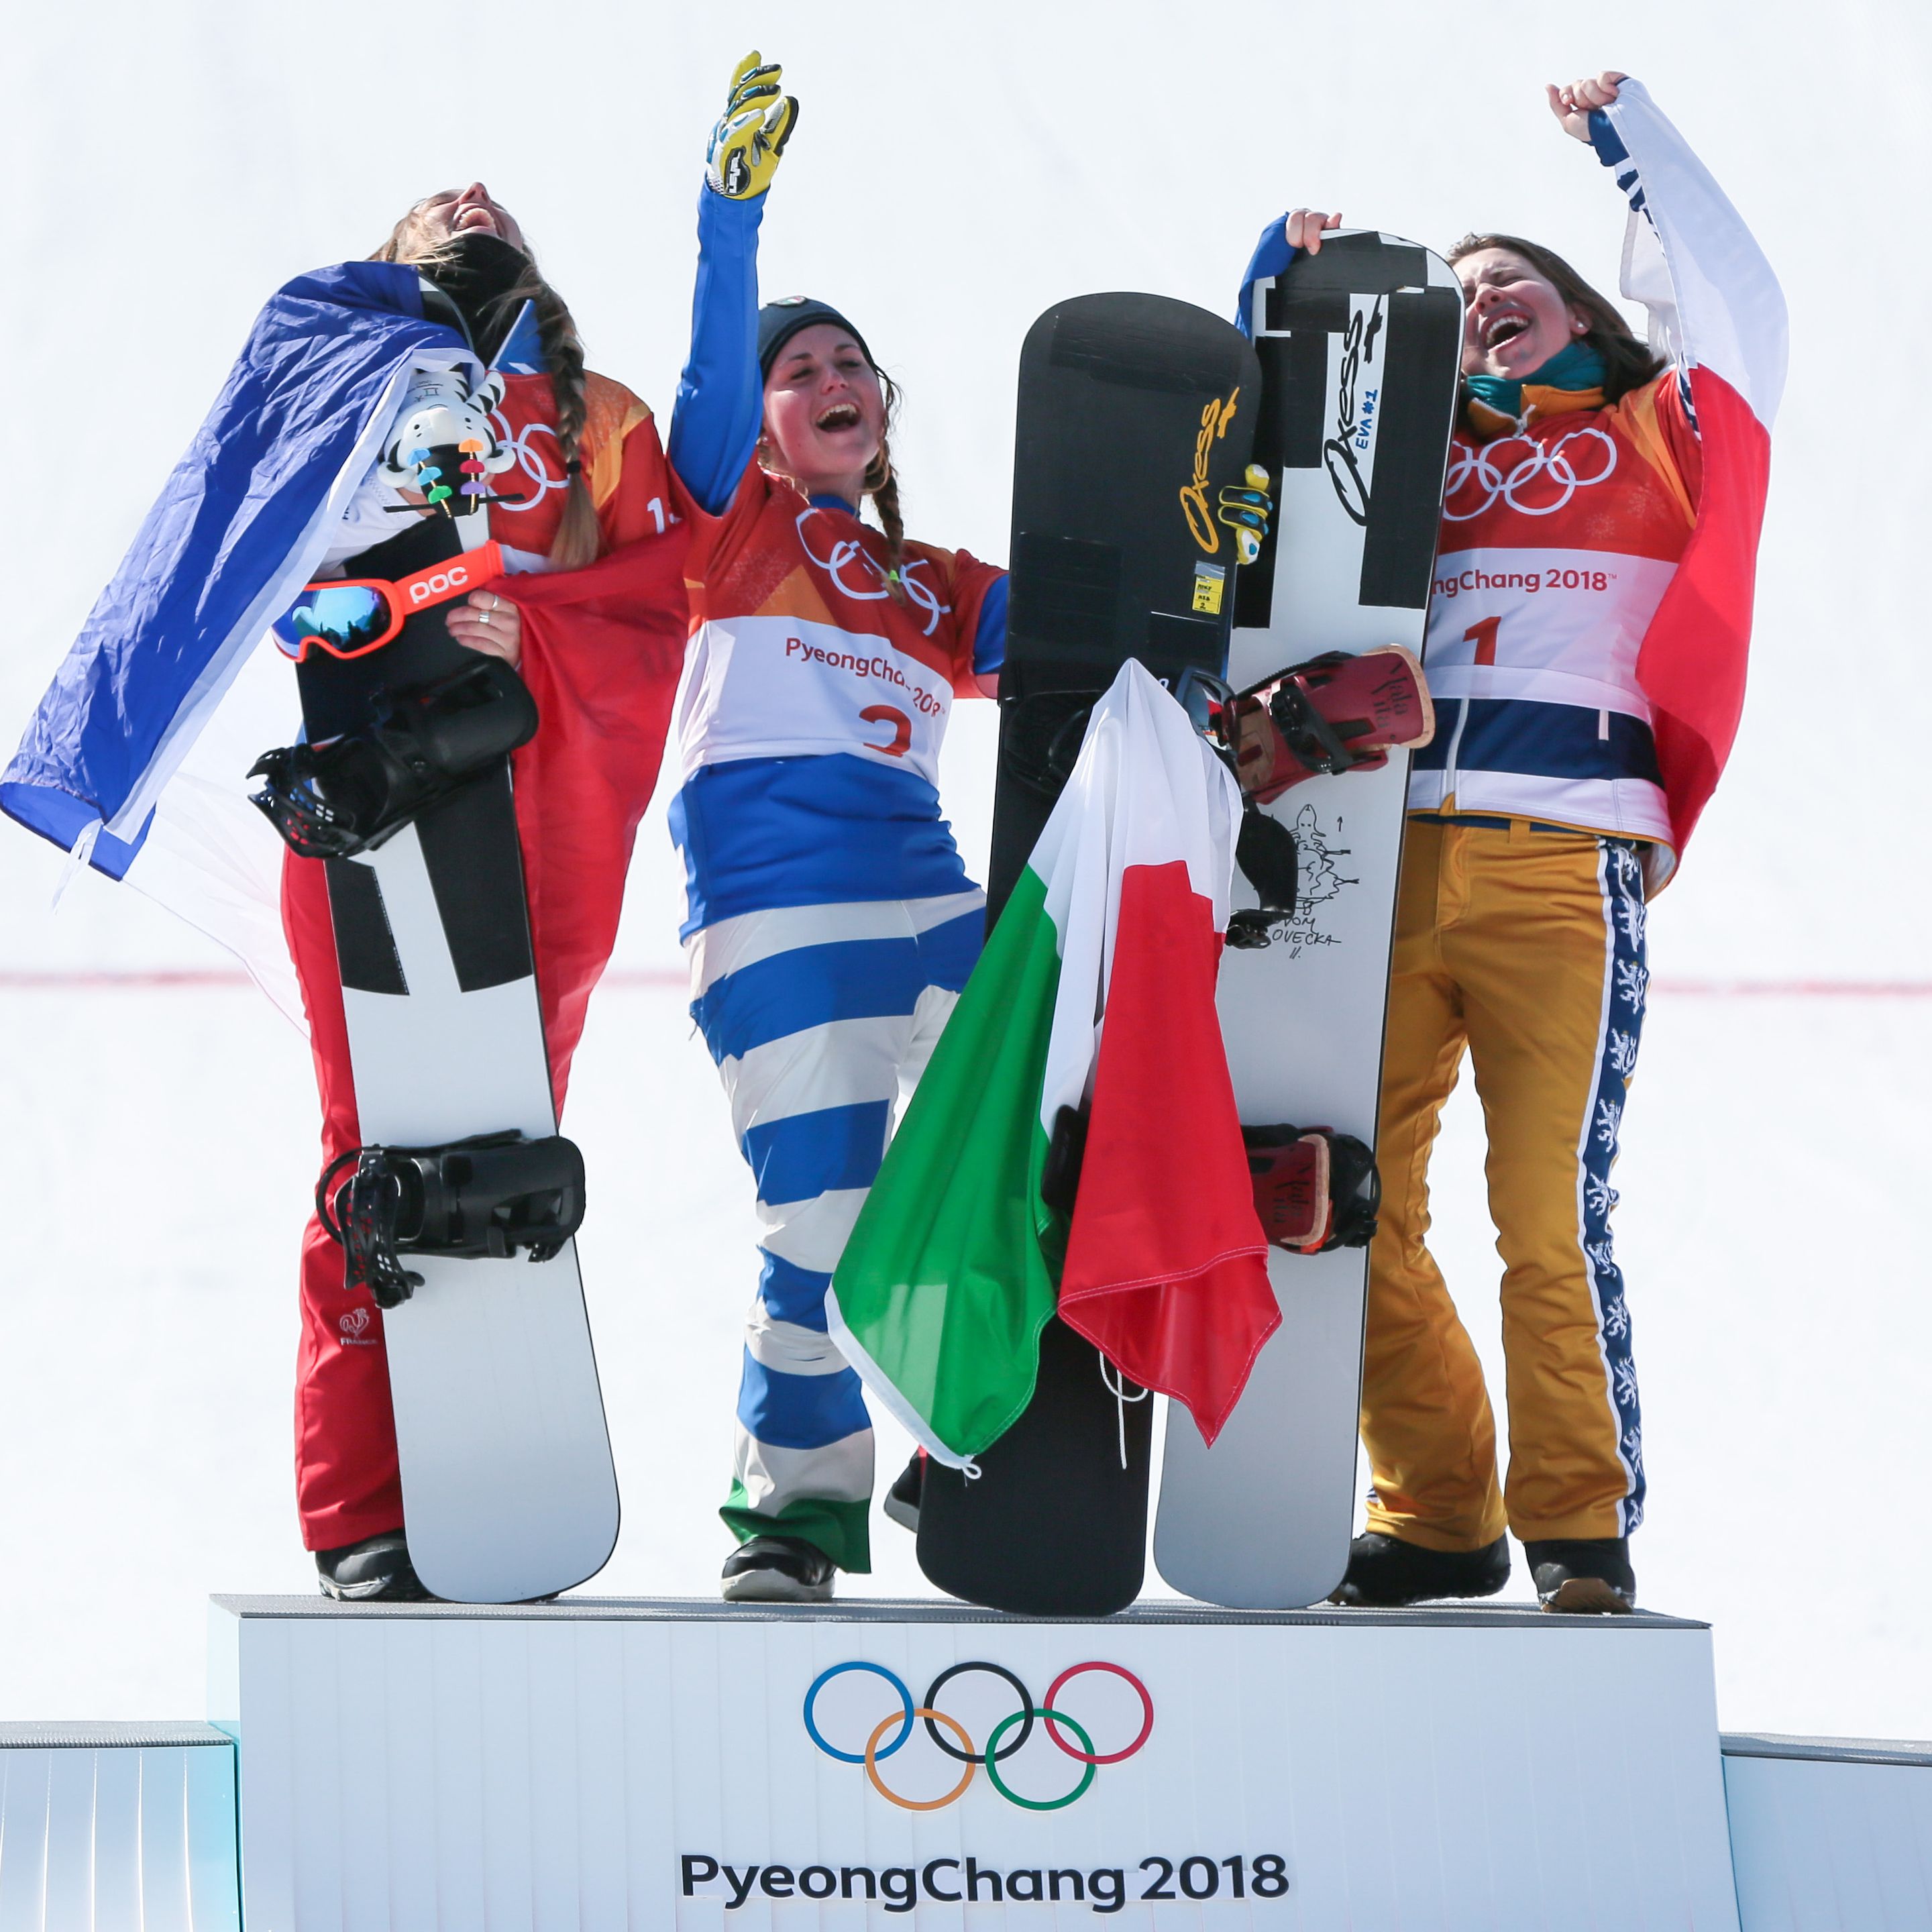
<point x="1055" y="1523"/>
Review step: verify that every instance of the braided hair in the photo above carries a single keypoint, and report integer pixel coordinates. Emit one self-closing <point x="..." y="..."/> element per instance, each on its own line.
<point x="882" y="485"/>
<point x="580" y="539"/>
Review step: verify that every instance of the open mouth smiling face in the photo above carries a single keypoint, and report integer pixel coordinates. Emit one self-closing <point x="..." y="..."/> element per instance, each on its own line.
<point x="1514" y="319"/>
<point x="825" y="412"/>
<point x="471" y="210"/>
<point x="1503" y="326"/>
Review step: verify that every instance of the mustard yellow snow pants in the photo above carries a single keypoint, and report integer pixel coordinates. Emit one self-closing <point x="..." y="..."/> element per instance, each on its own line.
<point x="1525" y="946"/>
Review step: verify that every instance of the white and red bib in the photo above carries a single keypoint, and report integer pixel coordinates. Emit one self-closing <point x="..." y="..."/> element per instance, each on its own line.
<point x="799" y="648"/>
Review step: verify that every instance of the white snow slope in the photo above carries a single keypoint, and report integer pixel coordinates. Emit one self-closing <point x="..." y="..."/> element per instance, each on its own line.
<point x="955" y="171"/>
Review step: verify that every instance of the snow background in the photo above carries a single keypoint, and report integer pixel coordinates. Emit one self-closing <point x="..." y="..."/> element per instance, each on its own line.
<point x="955" y="171"/>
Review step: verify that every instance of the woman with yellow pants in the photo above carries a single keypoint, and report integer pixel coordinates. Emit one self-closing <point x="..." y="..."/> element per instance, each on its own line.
<point x="1587" y="636"/>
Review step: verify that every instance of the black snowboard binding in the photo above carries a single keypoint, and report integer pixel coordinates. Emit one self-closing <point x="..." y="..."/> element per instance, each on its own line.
<point x="1271" y="861"/>
<point x="1041" y="735"/>
<point x="486" y="1196"/>
<point x="1315" y="1189"/>
<point x="1066" y="1155"/>
<point x="349" y="793"/>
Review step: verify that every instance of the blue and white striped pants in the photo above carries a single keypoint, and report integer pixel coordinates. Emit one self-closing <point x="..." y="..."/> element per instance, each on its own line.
<point x="821" y="1019"/>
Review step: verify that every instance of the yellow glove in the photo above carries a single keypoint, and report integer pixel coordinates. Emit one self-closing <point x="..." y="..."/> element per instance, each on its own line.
<point x="1246" y="511"/>
<point x="750" y="136"/>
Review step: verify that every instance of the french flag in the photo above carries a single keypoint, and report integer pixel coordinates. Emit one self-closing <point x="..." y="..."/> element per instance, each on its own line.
<point x="1717" y="311"/>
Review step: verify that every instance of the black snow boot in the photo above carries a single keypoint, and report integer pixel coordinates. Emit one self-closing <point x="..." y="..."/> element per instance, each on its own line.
<point x="778" y="1570"/>
<point x="375" y="1571"/>
<point x="1584" y="1575"/>
<point x="902" y="1499"/>
<point x="1386" y="1574"/>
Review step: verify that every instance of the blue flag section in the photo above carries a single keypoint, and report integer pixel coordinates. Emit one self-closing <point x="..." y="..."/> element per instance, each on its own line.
<point x="239" y="527"/>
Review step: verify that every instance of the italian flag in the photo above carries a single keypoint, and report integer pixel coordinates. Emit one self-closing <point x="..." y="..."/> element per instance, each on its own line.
<point x="1097" y="986"/>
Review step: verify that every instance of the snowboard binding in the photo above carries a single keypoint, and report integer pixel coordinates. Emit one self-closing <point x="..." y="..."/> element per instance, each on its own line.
<point x="349" y="793"/>
<point x="1315" y="1189"/>
<point x="1066" y="1156"/>
<point x="486" y="1196"/>
<point x="1335" y="713"/>
<point x="1271" y="861"/>
<point x="1041" y="737"/>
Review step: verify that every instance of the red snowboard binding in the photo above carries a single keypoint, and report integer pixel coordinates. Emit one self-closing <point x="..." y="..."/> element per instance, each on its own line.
<point x="1335" y="713"/>
<point x="1315" y="1189"/>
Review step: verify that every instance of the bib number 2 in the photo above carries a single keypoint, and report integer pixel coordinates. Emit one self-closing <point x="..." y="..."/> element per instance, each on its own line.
<point x="901" y="741"/>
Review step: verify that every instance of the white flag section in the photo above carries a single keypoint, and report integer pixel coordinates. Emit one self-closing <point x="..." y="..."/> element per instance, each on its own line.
<point x="1714" y="299"/>
<point x="210" y="856"/>
<point x="1148" y="790"/>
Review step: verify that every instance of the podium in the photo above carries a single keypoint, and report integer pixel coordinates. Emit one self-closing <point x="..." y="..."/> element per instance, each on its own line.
<point x="111" y="1826"/>
<point x="1828" y="1833"/>
<point x="603" y="1763"/>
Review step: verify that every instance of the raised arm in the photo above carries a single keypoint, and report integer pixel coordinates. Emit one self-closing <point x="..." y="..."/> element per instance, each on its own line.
<point x="1715" y="302"/>
<point x="714" y="424"/>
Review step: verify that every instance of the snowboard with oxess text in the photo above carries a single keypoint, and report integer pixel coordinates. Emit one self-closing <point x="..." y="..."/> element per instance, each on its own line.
<point x="1135" y="411"/>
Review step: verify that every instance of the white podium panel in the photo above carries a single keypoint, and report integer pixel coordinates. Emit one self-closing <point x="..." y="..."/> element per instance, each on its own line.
<point x="608" y="1764"/>
<point x="1830" y="1834"/>
<point x="104" y="1828"/>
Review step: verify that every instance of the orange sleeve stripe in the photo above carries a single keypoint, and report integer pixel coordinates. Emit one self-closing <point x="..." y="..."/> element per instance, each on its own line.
<point x="611" y="413"/>
<point x="1638" y="410"/>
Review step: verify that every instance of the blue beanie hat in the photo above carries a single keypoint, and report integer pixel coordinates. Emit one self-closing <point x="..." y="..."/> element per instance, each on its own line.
<point x="780" y="320"/>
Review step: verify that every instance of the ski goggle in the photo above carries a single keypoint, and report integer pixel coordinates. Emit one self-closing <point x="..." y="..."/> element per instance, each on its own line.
<point x="350" y="617"/>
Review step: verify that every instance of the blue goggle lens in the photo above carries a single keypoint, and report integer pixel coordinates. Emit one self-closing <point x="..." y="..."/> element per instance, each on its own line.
<point x="339" y="619"/>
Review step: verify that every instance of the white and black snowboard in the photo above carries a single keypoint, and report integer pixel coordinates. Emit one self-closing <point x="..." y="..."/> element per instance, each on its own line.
<point x="1359" y="349"/>
<point x="509" y="1489"/>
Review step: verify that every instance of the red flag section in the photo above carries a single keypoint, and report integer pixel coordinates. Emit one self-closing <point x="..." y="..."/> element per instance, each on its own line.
<point x="603" y="647"/>
<point x="1166" y="1270"/>
<point x="1692" y="663"/>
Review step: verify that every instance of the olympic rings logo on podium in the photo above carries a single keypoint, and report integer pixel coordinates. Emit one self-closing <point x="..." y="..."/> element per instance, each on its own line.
<point x="1000" y="1746"/>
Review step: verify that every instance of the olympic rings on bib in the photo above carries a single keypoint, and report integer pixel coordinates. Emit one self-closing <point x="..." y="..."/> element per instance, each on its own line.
<point x="1007" y="1737"/>
<point x="1481" y="467"/>
<point x="873" y="585"/>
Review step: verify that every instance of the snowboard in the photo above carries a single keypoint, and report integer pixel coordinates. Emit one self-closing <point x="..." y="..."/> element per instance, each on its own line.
<point x="1360" y="348"/>
<point x="509" y="1492"/>
<point x="1135" y="411"/>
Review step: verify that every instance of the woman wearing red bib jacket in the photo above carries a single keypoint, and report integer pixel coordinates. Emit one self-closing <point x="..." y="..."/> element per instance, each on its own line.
<point x="1587" y="636"/>
<point x="829" y="922"/>
<point x="580" y="509"/>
